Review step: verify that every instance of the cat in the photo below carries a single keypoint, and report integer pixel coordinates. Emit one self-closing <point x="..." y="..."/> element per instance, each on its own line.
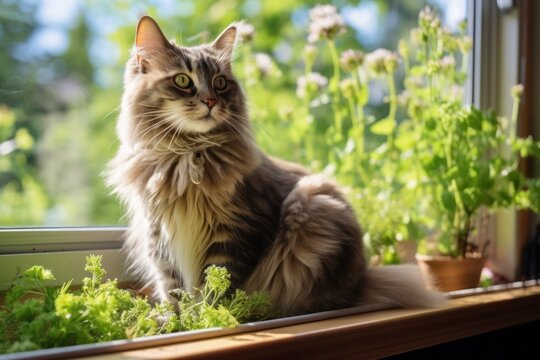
<point x="199" y="191"/>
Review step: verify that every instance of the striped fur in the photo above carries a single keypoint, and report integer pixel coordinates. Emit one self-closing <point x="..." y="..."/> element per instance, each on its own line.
<point x="199" y="192"/>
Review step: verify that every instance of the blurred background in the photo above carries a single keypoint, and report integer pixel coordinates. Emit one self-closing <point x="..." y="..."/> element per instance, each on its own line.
<point x="61" y="68"/>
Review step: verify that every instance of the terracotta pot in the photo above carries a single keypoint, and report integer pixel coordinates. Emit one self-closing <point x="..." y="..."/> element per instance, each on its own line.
<point x="449" y="274"/>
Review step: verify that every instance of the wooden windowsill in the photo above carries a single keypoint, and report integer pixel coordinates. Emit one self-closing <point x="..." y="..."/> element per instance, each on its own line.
<point x="369" y="335"/>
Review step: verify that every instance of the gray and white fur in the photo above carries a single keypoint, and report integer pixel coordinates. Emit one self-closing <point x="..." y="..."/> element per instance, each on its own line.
<point x="198" y="191"/>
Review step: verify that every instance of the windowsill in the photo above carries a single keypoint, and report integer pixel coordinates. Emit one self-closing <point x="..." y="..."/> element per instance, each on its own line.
<point x="369" y="335"/>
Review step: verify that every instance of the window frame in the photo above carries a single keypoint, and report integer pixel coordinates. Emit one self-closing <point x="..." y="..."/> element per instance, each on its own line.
<point x="63" y="251"/>
<point x="497" y="65"/>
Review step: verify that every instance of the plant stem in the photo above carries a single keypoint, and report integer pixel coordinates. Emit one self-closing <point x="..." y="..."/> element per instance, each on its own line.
<point x="335" y="60"/>
<point x="464" y="61"/>
<point x="334" y="89"/>
<point x="309" y="133"/>
<point x="393" y="107"/>
<point x="514" y="118"/>
<point x="458" y="219"/>
<point x="352" y="110"/>
<point x="359" y="112"/>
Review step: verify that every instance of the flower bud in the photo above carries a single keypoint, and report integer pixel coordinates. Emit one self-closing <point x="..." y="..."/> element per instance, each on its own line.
<point x="310" y="84"/>
<point x="325" y="23"/>
<point x="246" y="32"/>
<point x="381" y="61"/>
<point x="517" y="90"/>
<point x="350" y="59"/>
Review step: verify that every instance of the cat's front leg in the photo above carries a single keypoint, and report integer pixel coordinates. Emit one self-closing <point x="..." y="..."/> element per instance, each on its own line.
<point x="148" y="259"/>
<point x="316" y="262"/>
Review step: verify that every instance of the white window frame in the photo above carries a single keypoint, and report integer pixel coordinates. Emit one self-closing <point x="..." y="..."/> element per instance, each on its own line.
<point x="494" y="70"/>
<point x="61" y="250"/>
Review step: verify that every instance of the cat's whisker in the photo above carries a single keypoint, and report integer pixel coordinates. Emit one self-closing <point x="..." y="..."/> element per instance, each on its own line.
<point x="160" y="120"/>
<point x="176" y="125"/>
<point x="163" y="133"/>
<point x="177" y="133"/>
<point x="149" y="129"/>
<point x="116" y="108"/>
<point x="156" y="127"/>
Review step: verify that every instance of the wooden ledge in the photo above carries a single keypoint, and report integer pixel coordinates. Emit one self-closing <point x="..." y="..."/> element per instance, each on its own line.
<point x="370" y="335"/>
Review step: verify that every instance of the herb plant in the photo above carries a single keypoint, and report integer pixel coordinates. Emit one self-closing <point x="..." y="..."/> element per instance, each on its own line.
<point x="100" y="311"/>
<point x="468" y="157"/>
<point x="432" y="166"/>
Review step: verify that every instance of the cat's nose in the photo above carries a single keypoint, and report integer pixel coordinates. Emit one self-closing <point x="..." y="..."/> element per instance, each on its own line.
<point x="210" y="102"/>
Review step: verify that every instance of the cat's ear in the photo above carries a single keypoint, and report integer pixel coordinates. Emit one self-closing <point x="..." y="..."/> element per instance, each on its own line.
<point x="226" y="41"/>
<point x="149" y="37"/>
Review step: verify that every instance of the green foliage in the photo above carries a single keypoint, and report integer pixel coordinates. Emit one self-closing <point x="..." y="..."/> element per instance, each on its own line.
<point x="211" y="307"/>
<point x="100" y="311"/>
<point x="430" y="167"/>
<point x="22" y="199"/>
<point x="469" y="157"/>
<point x="67" y="99"/>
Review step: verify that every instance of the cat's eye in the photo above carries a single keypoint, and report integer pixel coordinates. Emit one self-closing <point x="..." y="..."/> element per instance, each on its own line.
<point x="182" y="81"/>
<point x="220" y="83"/>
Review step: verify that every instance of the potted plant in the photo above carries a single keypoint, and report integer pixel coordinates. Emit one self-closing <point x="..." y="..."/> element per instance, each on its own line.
<point x="468" y="158"/>
<point x="434" y="167"/>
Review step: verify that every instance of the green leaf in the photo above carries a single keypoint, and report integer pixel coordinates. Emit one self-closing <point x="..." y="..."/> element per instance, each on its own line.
<point x="383" y="127"/>
<point x="475" y="119"/>
<point x="483" y="179"/>
<point x="217" y="280"/>
<point x="448" y="201"/>
<point x="431" y="124"/>
<point x="38" y="273"/>
<point x="406" y="138"/>
<point x="23" y="139"/>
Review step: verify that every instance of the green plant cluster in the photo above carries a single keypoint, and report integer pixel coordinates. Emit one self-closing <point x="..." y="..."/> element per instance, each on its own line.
<point x="101" y="311"/>
<point x="431" y="167"/>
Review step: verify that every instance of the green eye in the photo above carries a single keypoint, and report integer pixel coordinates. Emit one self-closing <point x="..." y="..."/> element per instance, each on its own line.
<point x="220" y="83"/>
<point x="182" y="81"/>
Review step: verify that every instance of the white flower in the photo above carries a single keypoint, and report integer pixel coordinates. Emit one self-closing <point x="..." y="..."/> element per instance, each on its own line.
<point x="325" y="23"/>
<point x="310" y="84"/>
<point x="264" y="64"/>
<point x="429" y="20"/>
<point x="351" y="59"/>
<point x="381" y="61"/>
<point x="246" y="32"/>
<point x="517" y="90"/>
<point x="347" y="87"/>
<point x="448" y="63"/>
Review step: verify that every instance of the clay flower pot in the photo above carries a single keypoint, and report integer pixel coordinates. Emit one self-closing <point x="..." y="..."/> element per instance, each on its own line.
<point x="451" y="274"/>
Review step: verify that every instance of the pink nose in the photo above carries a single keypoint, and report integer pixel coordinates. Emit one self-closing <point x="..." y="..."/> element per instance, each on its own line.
<point x="210" y="102"/>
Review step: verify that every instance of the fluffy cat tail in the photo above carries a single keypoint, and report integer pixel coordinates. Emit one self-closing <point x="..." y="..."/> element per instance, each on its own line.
<point x="402" y="286"/>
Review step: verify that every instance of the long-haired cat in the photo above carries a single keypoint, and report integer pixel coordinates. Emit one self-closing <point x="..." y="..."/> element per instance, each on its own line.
<point x="199" y="191"/>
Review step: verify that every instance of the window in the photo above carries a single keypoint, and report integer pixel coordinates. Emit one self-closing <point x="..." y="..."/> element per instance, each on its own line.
<point x="61" y="81"/>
